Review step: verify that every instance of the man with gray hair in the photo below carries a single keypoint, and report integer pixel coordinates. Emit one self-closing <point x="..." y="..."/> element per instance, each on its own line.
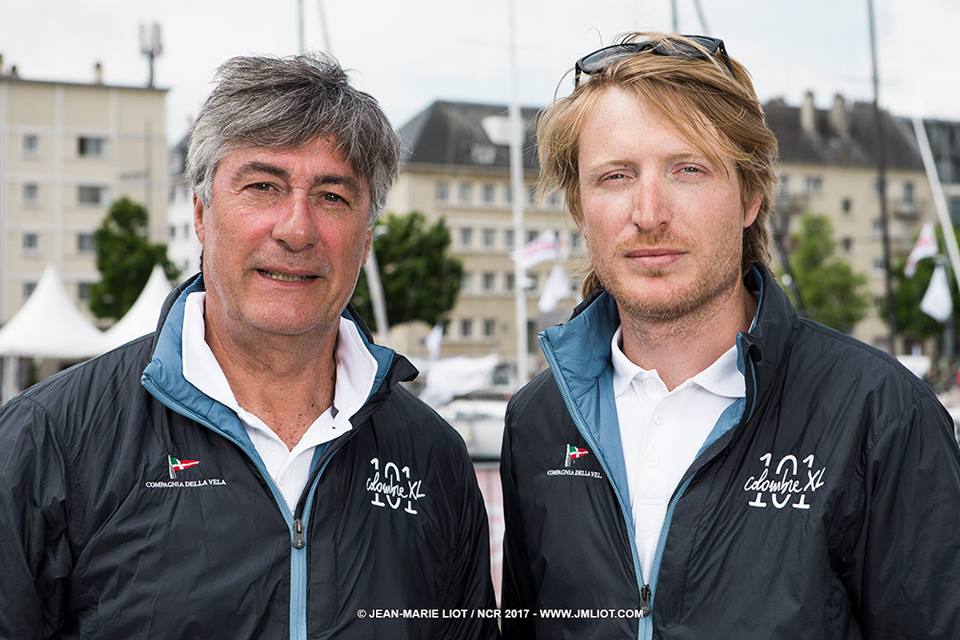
<point x="252" y="469"/>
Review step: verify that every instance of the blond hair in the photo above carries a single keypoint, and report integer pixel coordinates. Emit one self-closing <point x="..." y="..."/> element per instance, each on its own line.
<point x="715" y="108"/>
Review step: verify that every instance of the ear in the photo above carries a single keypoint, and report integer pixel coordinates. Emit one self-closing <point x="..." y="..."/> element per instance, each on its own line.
<point x="198" y="217"/>
<point x="750" y="214"/>
<point x="367" y="243"/>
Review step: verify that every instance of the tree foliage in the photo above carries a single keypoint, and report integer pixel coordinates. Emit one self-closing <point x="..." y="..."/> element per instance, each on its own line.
<point x="420" y="281"/>
<point x="125" y="258"/>
<point x="832" y="292"/>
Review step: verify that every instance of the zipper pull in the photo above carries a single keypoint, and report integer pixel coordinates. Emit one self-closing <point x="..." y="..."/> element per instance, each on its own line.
<point x="298" y="542"/>
<point x="645" y="601"/>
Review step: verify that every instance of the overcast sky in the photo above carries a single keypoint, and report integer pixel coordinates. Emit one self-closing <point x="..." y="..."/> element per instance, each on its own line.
<point x="409" y="53"/>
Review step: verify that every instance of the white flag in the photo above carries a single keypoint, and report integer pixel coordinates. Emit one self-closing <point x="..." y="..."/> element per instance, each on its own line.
<point x="937" y="302"/>
<point x="543" y="248"/>
<point x="433" y="341"/>
<point x="926" y="247"/>
<point x="555" y="289"/>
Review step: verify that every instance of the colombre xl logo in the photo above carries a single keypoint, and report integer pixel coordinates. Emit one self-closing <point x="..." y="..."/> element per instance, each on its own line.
<point x="573" y="454"/>
<point x="175" y="465"/>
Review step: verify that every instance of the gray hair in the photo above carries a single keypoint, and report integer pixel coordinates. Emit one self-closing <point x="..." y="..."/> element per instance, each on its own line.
<point x="283" y="103"/>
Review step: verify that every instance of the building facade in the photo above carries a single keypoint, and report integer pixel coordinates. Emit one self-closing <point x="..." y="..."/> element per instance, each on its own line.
<point x="67" y="150"/>
<point x="828" y="166"/>
<point x="183" y="247"/>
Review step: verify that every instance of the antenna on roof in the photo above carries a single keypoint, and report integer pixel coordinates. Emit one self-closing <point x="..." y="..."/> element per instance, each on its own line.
<point x="150" y="46"/>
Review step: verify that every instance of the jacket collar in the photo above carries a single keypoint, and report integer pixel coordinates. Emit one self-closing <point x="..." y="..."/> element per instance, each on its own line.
<point x="582" y="344"/>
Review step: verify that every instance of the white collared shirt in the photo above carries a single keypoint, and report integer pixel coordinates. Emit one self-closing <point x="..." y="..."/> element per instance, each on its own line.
<point x="290" y="469"/>
<point x="661" y="433"/>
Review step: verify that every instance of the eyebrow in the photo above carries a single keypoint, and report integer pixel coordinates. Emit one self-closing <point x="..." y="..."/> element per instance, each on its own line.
<point x="348" y="182"/>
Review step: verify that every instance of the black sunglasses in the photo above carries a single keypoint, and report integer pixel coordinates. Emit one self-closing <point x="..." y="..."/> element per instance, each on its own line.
<point x="601" y="58"/>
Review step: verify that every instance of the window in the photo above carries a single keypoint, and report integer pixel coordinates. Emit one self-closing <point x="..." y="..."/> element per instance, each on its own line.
<point x="30" y="242"/>
<point x="575" y="240"/>
<point x="908" y="192"/>
<point x="89" y="195"/>
<point x="508" y="280"/>
<point x="553" y="199"/>
<point x="443" y="191"/>
<point x="465" y="192"/>
<point x="489" y="327"/>
<point x="814" y="184"/>
<point x="28" y="288"/>
<point x="878" y="226"/>
<point x="846" y="243"/>
<point x="172" y="231"/>
<point x="488" y="238"/>
<point x="85" y="243"/>
<point x="532" y="235"/>
<point x="532" y="282"/>
<point x="466" y="282"/>
<point x="31" y="193"/>
<point x="187" y="227"/>
<point x="532" y="194"/>
<point x="846" y="205"/>
<point x="31" y="145"/>
<point x="879" y="271"/>
<point x="508" y="238"/>
<point x="466" y="328"/>
<point x="784" y="184"/>
<point x="91" y="147"/>
<point x="466" y="236"/>
<point x="488" y="193"/>
<point x="83" y="291"/>
<point x="508" y="193"/>
<point x="489" y="278"/>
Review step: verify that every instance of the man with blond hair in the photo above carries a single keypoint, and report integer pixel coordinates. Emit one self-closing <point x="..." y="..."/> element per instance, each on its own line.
<point x="698" y="461"/>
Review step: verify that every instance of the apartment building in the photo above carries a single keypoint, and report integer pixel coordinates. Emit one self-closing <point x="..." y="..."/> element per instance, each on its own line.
<point x="458" y="168"/>
<point x="183" y="247"/>
<point x="67" y="150"/>
<point x="828" y="166"/>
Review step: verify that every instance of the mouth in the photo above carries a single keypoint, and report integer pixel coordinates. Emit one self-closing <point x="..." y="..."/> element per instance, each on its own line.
<point x="286" y="277"/>
<point x="654" y="258"/>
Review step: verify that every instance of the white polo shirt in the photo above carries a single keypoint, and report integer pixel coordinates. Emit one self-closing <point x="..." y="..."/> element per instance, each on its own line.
<point x="661" y="433"/>
<point x="290" y="469"/>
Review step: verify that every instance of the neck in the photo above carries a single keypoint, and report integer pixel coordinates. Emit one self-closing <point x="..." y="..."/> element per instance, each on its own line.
<point x="286" y="381"/>
<point x="681" y="348"/>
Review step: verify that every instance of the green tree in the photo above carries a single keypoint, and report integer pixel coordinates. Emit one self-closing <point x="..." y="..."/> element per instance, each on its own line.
<point x="125" y="258"/>
<point x="833" y="294"/>
<point x="420" y="281"/>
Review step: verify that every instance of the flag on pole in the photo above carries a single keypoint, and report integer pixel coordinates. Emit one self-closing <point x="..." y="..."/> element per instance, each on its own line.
<point x="555" y="289"/>
<point x="926" y="247"/>
<point x="543" y="248"/>
<point x="937" y="301"/>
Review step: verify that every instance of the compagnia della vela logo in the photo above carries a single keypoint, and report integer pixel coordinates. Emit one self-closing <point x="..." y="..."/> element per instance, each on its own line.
<point x="175" y="465"/>
<point x="573" y="454"/>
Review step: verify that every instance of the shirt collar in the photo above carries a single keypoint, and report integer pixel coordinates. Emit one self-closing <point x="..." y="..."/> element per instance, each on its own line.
<point x="356" y="366"/>
<point x="721" y="378"/>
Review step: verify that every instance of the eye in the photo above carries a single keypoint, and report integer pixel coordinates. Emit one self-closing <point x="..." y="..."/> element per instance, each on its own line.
<point x="691" y="169"/>
<point x="614" y="176"/>
<point x="264" y="187"/>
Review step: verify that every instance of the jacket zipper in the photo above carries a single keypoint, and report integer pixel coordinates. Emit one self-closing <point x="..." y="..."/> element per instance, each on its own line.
<point x="647" y="589"/>
<point x="296" y="525"/>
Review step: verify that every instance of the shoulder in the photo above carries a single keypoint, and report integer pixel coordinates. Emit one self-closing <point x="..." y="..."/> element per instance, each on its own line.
<point x="532" y="398"/>
<point x="408" y="416"/>
<point x="88" y="392"/>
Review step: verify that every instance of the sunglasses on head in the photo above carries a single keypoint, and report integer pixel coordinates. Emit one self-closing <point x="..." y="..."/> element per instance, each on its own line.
<point x="602" y="58"/>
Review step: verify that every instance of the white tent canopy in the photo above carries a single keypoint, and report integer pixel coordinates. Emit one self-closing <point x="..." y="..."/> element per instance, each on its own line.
<point x="142" y="316"/>
<point x="49" y="325"/>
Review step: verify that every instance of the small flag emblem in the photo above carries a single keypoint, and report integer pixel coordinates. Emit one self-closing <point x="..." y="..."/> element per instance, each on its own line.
<point x="174" y="465"/>
<point x="573" y="454"/>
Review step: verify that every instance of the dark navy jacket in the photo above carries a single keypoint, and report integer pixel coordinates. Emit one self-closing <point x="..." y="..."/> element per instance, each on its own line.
<point x="825" y="504"/>
<point x="102" y="536"/>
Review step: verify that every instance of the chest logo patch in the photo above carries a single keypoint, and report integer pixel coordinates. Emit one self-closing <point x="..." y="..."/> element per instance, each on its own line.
<point x="177" y="466"/>
<point x="571" y="455"/>
<point x="790" y="482"/>
<point x="396" y="485"/>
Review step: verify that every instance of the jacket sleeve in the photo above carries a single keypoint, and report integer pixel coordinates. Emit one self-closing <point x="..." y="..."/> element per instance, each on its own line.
<point x="517" y="596"/>
<point x="906" y="571"/>
<point x="35" y="557"/>
<point x="470" y="587"/>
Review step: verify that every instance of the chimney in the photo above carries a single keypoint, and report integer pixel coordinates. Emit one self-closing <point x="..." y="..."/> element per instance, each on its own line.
<point x="808" y="115"/>
<point x="838" y="117"/>
<point x="98" y="72"/>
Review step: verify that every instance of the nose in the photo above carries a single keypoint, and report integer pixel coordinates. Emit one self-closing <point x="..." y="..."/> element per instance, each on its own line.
<point x="296" y="229"/>
<point x="650" y="206"/>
